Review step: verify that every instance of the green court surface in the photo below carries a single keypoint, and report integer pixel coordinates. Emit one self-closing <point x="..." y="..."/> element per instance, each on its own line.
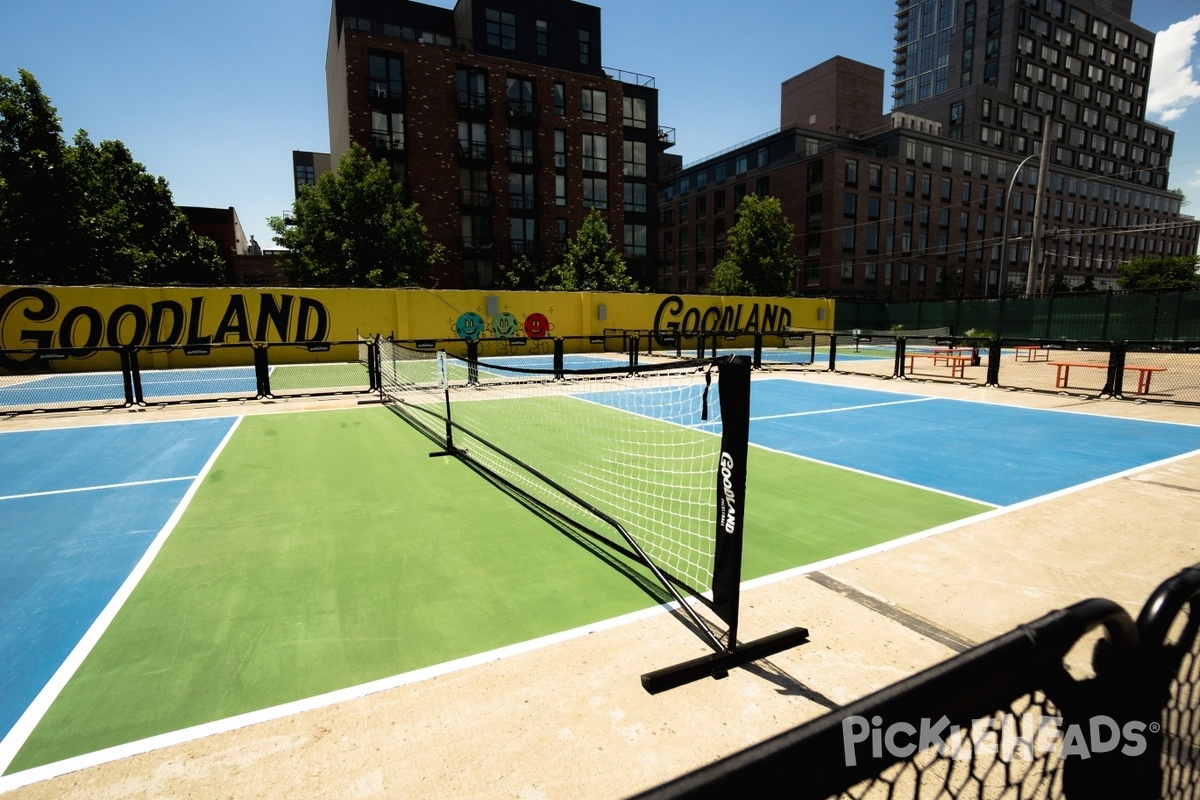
<point x="289" y="377"/>
<point x="327" y="549"/>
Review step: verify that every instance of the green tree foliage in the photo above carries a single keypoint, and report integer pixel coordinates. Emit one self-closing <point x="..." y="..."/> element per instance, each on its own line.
<point x="521" y="274"/>
<point x="353" y="228"/>
<point x="85" y="213"/>
<point x="1152" y="272"/>
<point x="591" y="263"/>
<point x="759" y="257"/>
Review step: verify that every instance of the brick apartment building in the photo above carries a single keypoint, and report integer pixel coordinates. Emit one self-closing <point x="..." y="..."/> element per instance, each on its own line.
<point x="938" y="197"/>
<point x="502" y="125"/>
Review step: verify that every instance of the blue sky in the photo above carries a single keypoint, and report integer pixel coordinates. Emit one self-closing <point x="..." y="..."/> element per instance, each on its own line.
<point x="215" y="96"/>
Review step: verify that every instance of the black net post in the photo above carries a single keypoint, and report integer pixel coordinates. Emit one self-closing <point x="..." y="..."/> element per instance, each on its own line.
<point x="898" y="367"/>
<point x="734" y="379"/>
<point x="559" y="359"/>
<point x="758" y="339"/>
<point x="832" y="352"/>
<point x="373" y="366"/>
<point x="473" y="362"/>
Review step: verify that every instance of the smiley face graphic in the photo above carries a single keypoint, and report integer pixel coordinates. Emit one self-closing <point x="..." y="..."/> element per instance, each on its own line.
<point x="536" y="325"/>
<point x="505" y="325"/>
<point x="469" y="326"/>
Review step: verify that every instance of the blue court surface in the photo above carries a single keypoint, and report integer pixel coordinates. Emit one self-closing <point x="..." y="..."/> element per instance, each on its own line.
<point x="988" y="452"/>
<point x="49" y="391"/>
<point x="80" y="507"/>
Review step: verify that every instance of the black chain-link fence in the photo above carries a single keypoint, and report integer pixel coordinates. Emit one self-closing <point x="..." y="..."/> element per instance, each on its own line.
<point x="1006" y="719"/>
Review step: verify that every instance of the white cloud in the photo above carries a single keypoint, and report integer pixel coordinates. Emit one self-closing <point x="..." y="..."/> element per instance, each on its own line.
<point x="1173" y="83"/>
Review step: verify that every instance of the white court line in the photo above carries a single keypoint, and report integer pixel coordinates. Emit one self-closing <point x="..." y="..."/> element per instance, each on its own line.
<point x="11" y="744"/>
<point x="101" y="487"/>
<point x="841" y="409"/>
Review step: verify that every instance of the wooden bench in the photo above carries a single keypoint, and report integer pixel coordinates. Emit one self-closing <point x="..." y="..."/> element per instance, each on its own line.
<point x="944" y="354"/>
<point x="1064" y="373"/>
<point x="1031" y="352"/>
<point x="957" y="364"/>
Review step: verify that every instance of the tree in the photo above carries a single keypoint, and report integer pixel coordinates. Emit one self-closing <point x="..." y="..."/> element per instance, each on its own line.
<point x="353" y="228"/>
<point x="521" y="274"/>
<point x="758" y="259"/>
<point x="591" y="262"/>
<point x="136" y="234"/>
<point x="1151" y="272"/>
<point x="82" y="213"/>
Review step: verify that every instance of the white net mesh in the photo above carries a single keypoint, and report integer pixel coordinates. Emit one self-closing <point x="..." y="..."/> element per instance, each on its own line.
<point x="639" y="450"/>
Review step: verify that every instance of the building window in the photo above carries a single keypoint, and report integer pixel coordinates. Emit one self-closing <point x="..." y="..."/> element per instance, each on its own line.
<point x="594" y="105"/>
<point x="520" y="191"/>
<point x="522" y="235"/>
<point x="306" y="175"/>
<point x="560" y="190"/>
<point x="385" y="76"/>
<point x="595" y="193"/>
<point x="595" y="153"/>
<point x="560" y="99"/>
<point x="560" y="149"/>
<point x="585" y="47"/>
<point x="387" y="131"/>
<point x="520" y="146"/>
<point x="472" y="139"/>
<point x="473" y="183"/>
<point x="635" y="241"/>
<point x="520" y="96"/>
<point x="634" y="112"/>
<point x="635" y="197"/>
<point x="635" y="159"/>
<point x="472" y="90"/>
<point x="543" y="37"/>
<point x="501" y="29"/>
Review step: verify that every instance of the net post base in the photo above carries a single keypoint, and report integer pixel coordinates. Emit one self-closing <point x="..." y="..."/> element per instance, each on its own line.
<point x="717" y="665"/>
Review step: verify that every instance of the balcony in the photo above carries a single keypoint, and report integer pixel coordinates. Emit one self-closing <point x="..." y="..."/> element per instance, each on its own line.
<point x="474" y="151"/>
<point x="523" y="111"/>
<point x="475" y="198"/>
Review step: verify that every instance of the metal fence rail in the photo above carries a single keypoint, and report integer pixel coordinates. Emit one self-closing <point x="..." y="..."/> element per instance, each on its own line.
<point x="1006" y="719"/>
<point x="105" y="378"/>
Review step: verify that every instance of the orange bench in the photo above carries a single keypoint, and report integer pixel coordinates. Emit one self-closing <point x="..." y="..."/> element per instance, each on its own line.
<point x="1064" y="373"/>
<point x="946" y="353"/>
<point x="1031" y="352"/>
<point x="957" y="364"/>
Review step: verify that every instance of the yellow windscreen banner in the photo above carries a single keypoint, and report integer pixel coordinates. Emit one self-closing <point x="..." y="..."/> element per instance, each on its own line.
<point x="51" y="317"/>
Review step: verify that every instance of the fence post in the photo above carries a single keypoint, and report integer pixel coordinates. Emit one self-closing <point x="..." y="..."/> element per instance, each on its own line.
<point x="1116" y="371"/>
<point x="262" y="371"/>
<point x="128" y="358"/>
<point x="993" y="365"/>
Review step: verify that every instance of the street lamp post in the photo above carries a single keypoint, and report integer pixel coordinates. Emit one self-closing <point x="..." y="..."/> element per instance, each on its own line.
<point x="1004" y="233"/>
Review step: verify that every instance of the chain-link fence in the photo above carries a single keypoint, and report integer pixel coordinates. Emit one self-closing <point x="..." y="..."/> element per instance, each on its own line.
<point x="1006" y="719"/>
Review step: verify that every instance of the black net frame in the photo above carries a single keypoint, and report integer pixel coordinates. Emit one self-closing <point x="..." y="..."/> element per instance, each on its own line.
<point x="410" y="390"/>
